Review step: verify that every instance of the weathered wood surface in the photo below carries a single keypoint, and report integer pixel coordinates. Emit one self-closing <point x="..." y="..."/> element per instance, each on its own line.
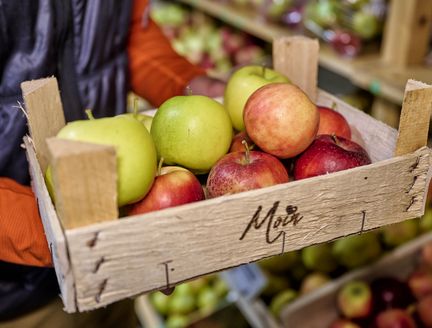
<point x="44" y="114"/>
<point x="84" y="177"/>
<point x="297" y="58"/>
<point x="53" y="231"/>
<point x="322" y="303"/>
<point x="415" y="117"/>
<point x="118" y="259"/>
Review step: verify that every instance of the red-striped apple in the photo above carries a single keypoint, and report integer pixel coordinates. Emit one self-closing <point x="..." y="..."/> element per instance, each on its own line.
<point x="332" y="122"/>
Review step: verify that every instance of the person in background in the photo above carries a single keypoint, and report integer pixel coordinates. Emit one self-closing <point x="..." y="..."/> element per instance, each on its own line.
<point x="98" y="50"/>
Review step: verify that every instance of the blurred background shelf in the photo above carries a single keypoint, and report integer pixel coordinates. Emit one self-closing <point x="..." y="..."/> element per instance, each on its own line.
<point x="368" y="71"/>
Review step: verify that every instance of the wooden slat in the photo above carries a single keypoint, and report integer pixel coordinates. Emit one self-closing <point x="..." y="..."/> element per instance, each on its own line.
<point x="122" y="258"/>
<point x="53" y="231"/>
<point x="45" y="114"/>
<point x="399" y="264"/>
<point x="415" y="117"/>
<point x="85" y="182"/>
<point x="297" y="58"/>
<point x="407" y="32"/>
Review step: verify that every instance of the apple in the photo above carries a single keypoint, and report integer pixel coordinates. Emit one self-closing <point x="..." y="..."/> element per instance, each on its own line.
<point x="424" y="309"/>
<point x="237" y="142"/>
<point x="399" y="233"/>
<point x="281" y="299"/>
<point x="177" y="321"/>
<point x="143" y="118"/>
<point x="242" y="171"/>
<point x="313" y="281"/>
<point x="319" y="257"/>
<point x="207" y="300"/>
<point x="332" y="122"/>
<point x="242" y="83"/>
<point x="389" y="292"/>
<point x="329" y="154"/>
<point x="281" y="120"/>
<point x="394" y="318"/>
<point x="343" y="323"/>
<point x="160" y="301"/>
<point x="365" y="24"/>
<point x="420" y="283"/>
<point x="355" y="300"/>
<point x="426" y="255"/>
<point x="136" y="154"/>
<point x="345" y="43"/>
<point x="191" y="131"/>
<point x="172" y="187"/>
<point x="280" y="263"/>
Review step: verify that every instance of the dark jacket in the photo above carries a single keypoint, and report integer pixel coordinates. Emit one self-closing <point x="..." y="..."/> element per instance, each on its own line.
<point x="83" y="44"/>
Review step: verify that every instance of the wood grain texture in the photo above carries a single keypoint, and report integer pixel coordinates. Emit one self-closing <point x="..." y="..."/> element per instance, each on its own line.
<point x="119" y="259"/>
<point x="44" y="113"/>
<point x="415" y="118"/>
<point x="297" y="58"/>
<point x="407" y="32"/>
<point x="53" y="231"/>
<point x="321" y="303"/>
<point x="84" y="177"/>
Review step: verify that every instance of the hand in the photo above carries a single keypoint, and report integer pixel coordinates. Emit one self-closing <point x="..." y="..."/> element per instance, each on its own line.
<point x="206" y="86"/>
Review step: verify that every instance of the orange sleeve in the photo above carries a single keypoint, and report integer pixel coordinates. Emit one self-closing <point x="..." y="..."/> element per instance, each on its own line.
<point x="157" y="71"/>
<point x="22" y="238"/>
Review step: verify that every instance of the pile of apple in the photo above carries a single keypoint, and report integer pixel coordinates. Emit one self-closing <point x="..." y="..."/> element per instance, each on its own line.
<point x="190" y="301"/>
<point x="204" y="42"/>
<point x="388" y="302"/>
<point x="192" y="136"/>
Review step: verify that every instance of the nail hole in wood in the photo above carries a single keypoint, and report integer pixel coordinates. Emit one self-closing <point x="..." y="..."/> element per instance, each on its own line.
<point x="92" y="242"/>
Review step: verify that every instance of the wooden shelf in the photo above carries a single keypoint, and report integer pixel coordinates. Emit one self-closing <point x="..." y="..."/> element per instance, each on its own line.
<point x="366" y="72"/>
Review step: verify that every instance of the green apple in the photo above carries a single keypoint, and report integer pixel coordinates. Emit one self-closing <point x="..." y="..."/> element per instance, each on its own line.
<point x="161" y="302"/>
<point x="366" y="25"/>
<point x="242" y="83"/>
<point x="191" y="131"/>
<point x="177" y="321"/>
<point x="319" y="258"/>
<point x="143" y="118"/>
<point x="281" y="299"/>
<point x="136" y="153"/>
<point x="182" y="302"/>
<point x="208" y="300"/>
<point x="397" y="234"/>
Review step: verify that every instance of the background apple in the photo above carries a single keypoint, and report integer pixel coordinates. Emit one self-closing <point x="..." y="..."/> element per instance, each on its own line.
<point x="173" y="186"/>
<point x="329" y="154"/>
<point x="242" y="83"/>
<point x="281" y="120"/>
<point x="192" y="131"/>
<point x="394" y="318"/>
<point x="355" y="300"/>
<point x="332" y="122"/>
<point x="242" y="171"/>
<point x="136" y="154"/>
<point x="237" y="142"/>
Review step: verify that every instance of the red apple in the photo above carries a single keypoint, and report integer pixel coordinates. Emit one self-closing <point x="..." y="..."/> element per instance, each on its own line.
<point x="173" y="186"/>
<point x="329" y="154"/>
<point x="424" y="310"/>
<point x="355" y="300"/>
<point x="242" y="171"/>
<point x="280" y="119"/>
<point x="389" y="292"/>
<point x="237" y="142"/>
<point x="332" y="122"/>
<point x="394" y="318"/>
<point x="343" y="323"/>
<point x="420" y="283"/>
<point x="426" y="256"/>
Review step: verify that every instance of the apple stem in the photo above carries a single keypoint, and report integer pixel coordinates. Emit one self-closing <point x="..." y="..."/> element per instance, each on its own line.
<point x="334" y="105"/>
<point x="89" y="114"/>
<point x="135" y="107"/>
<point x="247" y="151"/>
<point x="160" y="166"/>
<point x="189" y="90"/>
<point x="335" y="139"/>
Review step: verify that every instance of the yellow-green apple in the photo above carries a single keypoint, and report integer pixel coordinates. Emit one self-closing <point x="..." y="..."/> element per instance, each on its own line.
<point x="191" y="131"/>
<point x="313" y="281"/>
<point x="397" y="234"/>
<point x="136" y="153"/>
<point x="237" y="142"/>
<point x="143" y="118"/>
<point x="172" y="187"/>
<point x="242" y="171"/>
<point x="242" y="83"/>
<point x="281" y="299"/>
<point x="343" y="323"/>
<point x="328" y="154"/>
<point x="319" y="257"/>
<point x="332" y="122"/>
<point x="281" y="120"/>
<point x="355" y="300"/>
<point x="394" y="318"/>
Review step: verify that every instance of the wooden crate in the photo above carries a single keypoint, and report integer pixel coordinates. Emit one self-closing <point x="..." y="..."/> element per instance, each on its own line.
<point x="322" y="303"/>
<point x="107" y="261"/>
